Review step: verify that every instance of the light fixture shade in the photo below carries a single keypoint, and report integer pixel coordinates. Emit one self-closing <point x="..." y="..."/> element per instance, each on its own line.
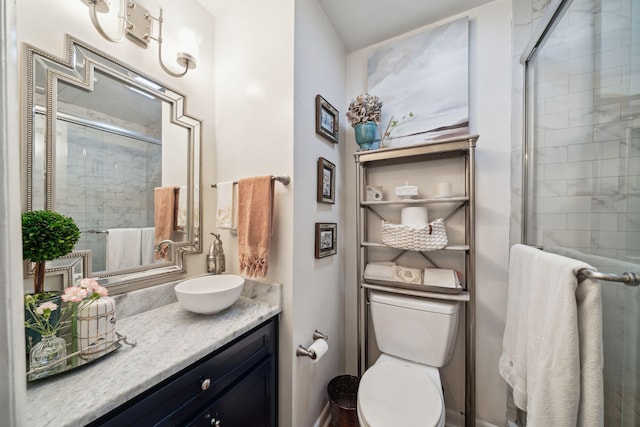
<point x="102" y="6"/>
<point x="189" y="42"/>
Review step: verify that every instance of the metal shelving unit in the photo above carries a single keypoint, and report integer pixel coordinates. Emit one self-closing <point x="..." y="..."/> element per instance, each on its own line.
<point x="366" y="161"/>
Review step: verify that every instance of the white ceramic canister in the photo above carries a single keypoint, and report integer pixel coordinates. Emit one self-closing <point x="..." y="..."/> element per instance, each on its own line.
<point x="414" y="215"/>
<point x="444" y="189"/>
<point x="96" y="328"/>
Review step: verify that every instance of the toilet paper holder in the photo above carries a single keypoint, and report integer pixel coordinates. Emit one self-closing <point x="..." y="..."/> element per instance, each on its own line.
<point x="303" y="351"/>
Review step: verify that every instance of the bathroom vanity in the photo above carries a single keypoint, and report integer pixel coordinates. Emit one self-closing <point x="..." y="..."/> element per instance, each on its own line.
<point x="186" y="369"/>
<point x="235" y="385"/>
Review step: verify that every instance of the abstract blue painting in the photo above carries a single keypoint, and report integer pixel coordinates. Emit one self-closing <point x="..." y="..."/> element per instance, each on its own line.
<point x="426" y="74"/>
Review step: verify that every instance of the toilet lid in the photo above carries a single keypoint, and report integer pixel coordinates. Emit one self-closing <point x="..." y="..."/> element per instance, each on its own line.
<point x="397" y="395"/>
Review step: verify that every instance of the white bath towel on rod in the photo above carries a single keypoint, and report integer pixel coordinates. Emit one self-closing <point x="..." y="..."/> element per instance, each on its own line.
<point x="147" y="245"/>
<point x="123" y="248"/>
<point x="552" y="344"/>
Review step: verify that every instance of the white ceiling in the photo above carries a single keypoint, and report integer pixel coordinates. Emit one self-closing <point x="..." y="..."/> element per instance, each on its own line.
<point x="361" y="23"/>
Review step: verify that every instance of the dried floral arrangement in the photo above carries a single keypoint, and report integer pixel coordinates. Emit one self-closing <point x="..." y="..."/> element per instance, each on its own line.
<point x="364" y="108"/>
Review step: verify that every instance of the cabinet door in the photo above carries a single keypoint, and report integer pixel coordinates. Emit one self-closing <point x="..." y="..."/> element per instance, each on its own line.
<point x="250" y="402"/>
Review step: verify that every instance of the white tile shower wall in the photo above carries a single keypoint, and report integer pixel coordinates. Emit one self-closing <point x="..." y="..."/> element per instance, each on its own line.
<point x="581" y="77"/>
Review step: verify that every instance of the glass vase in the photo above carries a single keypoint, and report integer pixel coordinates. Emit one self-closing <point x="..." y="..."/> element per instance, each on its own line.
<point x="46" y="356"/>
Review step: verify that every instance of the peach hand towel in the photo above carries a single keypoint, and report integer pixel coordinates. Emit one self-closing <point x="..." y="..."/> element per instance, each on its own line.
<point x="164" y="201"/>
<point x="255" y="214"/>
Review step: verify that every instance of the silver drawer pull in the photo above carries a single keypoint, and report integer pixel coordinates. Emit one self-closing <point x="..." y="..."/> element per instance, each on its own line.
<point x="205" y="384"/>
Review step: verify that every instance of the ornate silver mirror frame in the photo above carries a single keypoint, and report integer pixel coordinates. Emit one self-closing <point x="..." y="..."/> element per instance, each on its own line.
<point x="82" y="66"/>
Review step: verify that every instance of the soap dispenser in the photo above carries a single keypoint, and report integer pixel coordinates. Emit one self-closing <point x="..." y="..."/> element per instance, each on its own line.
<point x="215" y="259"/>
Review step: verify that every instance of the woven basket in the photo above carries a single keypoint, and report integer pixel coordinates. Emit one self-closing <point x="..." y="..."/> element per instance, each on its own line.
<point x="430" y="237"/>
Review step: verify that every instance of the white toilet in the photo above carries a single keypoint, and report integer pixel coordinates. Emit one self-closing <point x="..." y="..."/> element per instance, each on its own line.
<point x="416" y="337"/>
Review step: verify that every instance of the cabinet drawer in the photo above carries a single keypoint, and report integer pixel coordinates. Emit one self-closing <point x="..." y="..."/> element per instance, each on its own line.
<point x="176" y="399"/>
<point x="249" y="402"/>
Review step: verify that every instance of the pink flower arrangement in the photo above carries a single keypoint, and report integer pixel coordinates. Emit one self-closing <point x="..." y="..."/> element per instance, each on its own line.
<point x="86" y="288"/>
<point x="83" y="293"/>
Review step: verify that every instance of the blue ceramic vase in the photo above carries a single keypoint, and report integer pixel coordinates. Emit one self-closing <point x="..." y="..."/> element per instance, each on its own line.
<point x="367" y="135"/>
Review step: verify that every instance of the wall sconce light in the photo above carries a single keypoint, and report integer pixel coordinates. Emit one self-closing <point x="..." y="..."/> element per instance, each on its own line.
<point x="136" y="23"/>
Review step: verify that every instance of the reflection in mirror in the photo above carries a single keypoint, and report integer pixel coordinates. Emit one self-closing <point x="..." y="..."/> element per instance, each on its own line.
<point x="114" y="151"/>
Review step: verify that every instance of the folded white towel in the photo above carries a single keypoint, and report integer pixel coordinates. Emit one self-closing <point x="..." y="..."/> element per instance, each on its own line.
<point x="552" y="344"/>
<point x="225" y="211"/>
<point x="379" y="270"/>
<point x="442" y="277"/>
<point x="123" y="248"/>
<point x="407" y="275"/>
<point x="391" y="272"/>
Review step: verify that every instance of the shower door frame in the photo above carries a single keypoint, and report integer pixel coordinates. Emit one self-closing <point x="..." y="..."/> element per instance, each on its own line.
<point x="549" y="20"/>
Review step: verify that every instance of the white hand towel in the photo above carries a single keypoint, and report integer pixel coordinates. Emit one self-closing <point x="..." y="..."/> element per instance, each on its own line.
<point x="552" y="343"/>
<point x="183" y="207"/>
<point x="123" y="248"/>
<point x="224" y="211"/>
<point x="147" y="245"/>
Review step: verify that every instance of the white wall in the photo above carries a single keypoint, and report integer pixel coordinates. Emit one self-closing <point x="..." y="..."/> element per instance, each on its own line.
<point x="489" y="113"/>
<point x="318" y="290"/>
<point x="254" y="115"/>
<point x="265" y="124"/>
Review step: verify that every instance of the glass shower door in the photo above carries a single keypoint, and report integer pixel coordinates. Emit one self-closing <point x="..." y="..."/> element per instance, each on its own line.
<point x="583" y="168"/>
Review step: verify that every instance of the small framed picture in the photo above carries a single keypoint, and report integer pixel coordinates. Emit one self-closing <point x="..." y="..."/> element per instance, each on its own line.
<point x="326" y="181"/>
<point x="326" y="119"/>
<point x="326" y="239"/>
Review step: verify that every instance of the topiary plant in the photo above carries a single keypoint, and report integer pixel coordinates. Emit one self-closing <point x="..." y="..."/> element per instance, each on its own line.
<point x="46" y="235"/>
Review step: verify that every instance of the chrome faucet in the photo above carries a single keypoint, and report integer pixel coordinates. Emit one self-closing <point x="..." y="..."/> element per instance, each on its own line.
<point x="215" y="259"/>
<point x="169" y="244"/>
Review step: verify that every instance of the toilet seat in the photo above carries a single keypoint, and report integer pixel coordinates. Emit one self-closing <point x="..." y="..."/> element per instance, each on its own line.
<point x="392" y="394"/>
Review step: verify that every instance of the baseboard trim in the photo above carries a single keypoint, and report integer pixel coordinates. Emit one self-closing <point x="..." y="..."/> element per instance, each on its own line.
<point x="324" y="418"/>
<point x="456" y="419"/>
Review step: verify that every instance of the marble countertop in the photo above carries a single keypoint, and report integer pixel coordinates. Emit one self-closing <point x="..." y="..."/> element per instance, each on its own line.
<point x="169" y="338"/>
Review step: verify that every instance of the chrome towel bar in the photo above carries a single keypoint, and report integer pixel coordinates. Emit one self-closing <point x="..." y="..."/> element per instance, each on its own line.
<point x="284" y="179"/>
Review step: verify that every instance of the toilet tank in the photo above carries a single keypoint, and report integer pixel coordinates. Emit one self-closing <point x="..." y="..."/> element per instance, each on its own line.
<point x="413" y="328"/>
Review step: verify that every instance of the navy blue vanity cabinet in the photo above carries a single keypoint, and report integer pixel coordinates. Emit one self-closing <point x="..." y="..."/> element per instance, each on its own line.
<point x="236" y="385"/>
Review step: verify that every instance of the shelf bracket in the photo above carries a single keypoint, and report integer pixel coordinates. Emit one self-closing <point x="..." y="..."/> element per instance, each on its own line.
<point x="373" y="211"/>
<point x="453" y="212"/>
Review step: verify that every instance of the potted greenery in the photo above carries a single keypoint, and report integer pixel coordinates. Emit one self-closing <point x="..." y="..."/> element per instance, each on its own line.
<point x="46" y="235"/>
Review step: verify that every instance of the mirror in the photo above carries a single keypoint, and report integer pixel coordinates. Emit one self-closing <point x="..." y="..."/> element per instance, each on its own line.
<point x="116" y="152"/>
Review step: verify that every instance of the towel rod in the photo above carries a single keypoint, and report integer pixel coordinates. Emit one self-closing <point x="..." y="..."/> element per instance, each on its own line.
<point x="284" y="179"/>
<point x="93" y="231"/>
<point x="629" y="279"/>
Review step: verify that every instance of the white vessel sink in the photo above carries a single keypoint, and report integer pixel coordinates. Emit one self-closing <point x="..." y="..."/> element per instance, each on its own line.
<point x="209" y="294"/>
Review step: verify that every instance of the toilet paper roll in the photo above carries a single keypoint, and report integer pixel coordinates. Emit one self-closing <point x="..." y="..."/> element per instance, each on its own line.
<point x="320" y="348"/>
<point x="417" y="215"/>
